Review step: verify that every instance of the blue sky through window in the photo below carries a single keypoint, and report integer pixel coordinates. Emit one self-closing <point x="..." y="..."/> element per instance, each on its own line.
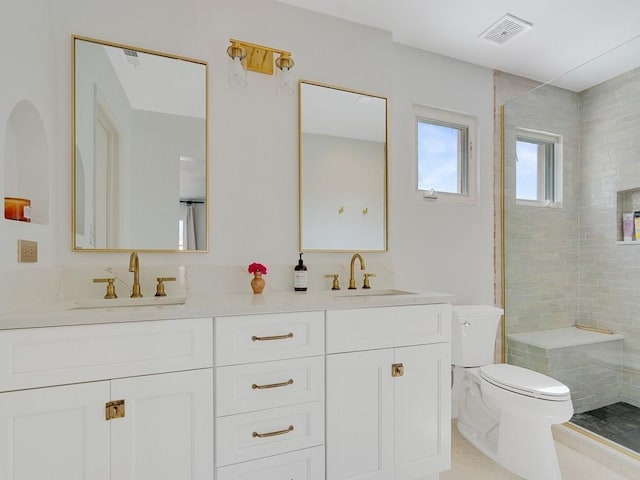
<point x="438" y="157"/>
<point x="527" y="170"/>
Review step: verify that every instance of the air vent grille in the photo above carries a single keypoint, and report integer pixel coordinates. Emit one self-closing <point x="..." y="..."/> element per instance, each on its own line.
<point x="131" y="56"/>
<point x="505" y="29"/>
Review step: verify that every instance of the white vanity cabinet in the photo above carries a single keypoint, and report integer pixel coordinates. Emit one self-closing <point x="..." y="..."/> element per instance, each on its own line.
<point x="387" y="392"/>
<point x="327" y="394"/>
<point x="270" y="396"/>
<point x="56" y="384"/>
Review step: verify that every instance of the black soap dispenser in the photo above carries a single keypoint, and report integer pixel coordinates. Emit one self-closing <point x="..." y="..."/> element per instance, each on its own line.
<point x="300" y="276"/>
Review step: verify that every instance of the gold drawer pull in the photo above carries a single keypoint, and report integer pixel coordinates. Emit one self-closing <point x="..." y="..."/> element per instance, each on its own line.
<point x="275" y="337"/>
<point x="272" y="434"/>
<point x="272" y="385"/>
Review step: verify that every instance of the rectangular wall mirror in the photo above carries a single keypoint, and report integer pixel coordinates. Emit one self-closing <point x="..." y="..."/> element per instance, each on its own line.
<point x="343" y="169"/>
<point x="139" y="149"/>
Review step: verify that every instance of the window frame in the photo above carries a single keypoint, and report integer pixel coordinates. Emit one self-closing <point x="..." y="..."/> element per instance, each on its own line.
<point x="467" y="157"/>
<point x="549" y="179"/>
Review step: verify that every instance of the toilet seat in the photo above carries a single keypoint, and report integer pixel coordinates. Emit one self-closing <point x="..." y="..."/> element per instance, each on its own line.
<point x="525" y="382"/>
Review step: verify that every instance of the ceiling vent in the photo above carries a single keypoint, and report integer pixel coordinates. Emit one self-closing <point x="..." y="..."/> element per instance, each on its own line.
<point x="131" y="56"/>
<point x="505" y="29"/>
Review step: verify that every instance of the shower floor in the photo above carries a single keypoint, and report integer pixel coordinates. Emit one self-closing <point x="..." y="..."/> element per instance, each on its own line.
<point x="618" y="422"/>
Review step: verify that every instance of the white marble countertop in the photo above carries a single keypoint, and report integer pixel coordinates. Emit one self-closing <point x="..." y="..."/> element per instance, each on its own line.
<point x="134" y="310"/>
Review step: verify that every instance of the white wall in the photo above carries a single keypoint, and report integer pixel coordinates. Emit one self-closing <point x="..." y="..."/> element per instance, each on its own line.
<point x="438" y="245"/>
<point x="253" y="133"/>
<point x="29" y="55"/>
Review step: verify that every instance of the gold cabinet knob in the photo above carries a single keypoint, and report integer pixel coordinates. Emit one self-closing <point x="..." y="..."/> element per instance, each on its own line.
<point x="111" y="288"/>
<point x="397" y="370"/>
<point x="366" y="279"/>
<point x="336" y="281"/>
<point x="160" y="286"/>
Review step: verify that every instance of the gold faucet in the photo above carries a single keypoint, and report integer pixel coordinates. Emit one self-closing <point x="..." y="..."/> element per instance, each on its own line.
<point x="134" y="266"/>
<point x="352" y="280"/>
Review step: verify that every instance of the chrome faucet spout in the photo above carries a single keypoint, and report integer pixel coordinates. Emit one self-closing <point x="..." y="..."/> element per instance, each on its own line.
<point x="352" y="280"/>
<point x="134" y="266"/>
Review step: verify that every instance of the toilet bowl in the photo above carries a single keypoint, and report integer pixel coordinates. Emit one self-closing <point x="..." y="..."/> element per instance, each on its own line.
<point x="505" y="411"/>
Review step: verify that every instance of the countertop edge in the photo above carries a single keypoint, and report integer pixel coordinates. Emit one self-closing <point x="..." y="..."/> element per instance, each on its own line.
<point x="64" y="313"/>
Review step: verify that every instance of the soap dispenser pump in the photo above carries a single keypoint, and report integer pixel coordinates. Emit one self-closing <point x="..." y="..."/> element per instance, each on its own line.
<point x="300" y="276"/>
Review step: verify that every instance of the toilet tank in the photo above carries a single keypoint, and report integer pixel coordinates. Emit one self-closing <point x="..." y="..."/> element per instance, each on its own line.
<point x="473" y="334"/>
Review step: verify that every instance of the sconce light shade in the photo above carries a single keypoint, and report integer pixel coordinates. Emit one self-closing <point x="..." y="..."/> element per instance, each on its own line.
<point x="284" y="78"/>
<point x="245" y="56"/>
<point x="236" y="74"/>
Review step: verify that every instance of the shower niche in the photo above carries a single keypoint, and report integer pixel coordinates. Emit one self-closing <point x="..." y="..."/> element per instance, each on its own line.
<point x="627" y="201"/>
<point x="26" y="160"/>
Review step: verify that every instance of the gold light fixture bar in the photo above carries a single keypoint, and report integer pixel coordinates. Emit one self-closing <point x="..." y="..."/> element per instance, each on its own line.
<point x="258" y="58"/>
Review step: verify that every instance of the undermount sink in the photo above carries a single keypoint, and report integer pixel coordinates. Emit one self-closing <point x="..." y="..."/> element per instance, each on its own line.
<point x="126" y="302"/>
<point x="372" y="293"/>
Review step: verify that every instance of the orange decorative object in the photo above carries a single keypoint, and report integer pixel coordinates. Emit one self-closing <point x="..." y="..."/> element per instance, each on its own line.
<point x="257" y="282"/>
<point x="17" y="209"/>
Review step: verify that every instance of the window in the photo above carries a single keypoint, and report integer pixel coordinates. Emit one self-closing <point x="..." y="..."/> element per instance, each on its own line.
<point x="538" y="167"/>
<point x="445" y="157"/>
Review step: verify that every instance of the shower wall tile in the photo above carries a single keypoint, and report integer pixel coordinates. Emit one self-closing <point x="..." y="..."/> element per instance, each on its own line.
<point x="563" y="266"/>
<point x="610" y="162"/>
<point x="542" y="266"/>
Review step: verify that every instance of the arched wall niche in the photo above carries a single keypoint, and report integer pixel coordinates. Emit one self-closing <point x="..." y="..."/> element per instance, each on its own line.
<point x="26" y="160"/>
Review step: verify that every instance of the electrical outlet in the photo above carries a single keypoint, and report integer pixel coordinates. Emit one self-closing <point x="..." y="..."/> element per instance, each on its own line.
<point x="27" y="251"/>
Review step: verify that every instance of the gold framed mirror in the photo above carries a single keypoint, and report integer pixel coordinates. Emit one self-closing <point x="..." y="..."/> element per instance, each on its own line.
<point x="342" y="169"/>
<point x="139" y="149"/>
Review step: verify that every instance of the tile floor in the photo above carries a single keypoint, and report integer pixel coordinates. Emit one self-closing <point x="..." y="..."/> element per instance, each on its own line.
<point x="619" y="422"/>
<point x="469" y="464"/>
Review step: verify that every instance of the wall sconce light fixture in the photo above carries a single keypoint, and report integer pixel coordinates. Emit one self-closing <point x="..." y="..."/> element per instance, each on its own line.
<point x="245" y="56"/>
<point x="236" y="74"/>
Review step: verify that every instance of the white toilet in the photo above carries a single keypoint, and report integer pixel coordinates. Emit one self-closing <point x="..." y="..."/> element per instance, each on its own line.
<point x="504" y="410"/>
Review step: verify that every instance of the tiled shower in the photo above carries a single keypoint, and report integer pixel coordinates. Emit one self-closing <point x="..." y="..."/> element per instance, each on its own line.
<point x="567" y="265"/>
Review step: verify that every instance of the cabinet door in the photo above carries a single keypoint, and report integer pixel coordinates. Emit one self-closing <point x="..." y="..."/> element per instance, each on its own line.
<point x="359" y="398"/>
<point x="167" y="430"/>
<point x="422" y="411"/>
<point x="56" y="433"/>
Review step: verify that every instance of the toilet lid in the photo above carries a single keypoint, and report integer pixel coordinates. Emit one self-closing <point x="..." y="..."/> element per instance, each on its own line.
<point x="525" y="382"/>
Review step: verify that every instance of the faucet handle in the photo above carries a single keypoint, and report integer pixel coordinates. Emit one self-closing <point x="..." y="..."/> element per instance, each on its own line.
<point x="336" y="281"/>
<point x="160" y="286"/>
<point x="111" y="288"/>
<point x="366" y="279"/>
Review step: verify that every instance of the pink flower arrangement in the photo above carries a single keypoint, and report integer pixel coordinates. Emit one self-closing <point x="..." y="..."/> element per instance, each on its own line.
<point x="257" y="268"/>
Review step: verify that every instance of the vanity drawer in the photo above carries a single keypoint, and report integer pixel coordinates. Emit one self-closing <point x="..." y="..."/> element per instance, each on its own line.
<point x="249" y="436"/>
<point x="250" y="387"/>
<point x="38" y="357"/>
<point x="307" y="464"/>
<point x="258" y="338"/>
<point x="383" y="327"/>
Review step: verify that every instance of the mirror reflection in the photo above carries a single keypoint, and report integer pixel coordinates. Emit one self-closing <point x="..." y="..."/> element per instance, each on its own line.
<point x="139" y="149"/>
<point x="343" y="168"/>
